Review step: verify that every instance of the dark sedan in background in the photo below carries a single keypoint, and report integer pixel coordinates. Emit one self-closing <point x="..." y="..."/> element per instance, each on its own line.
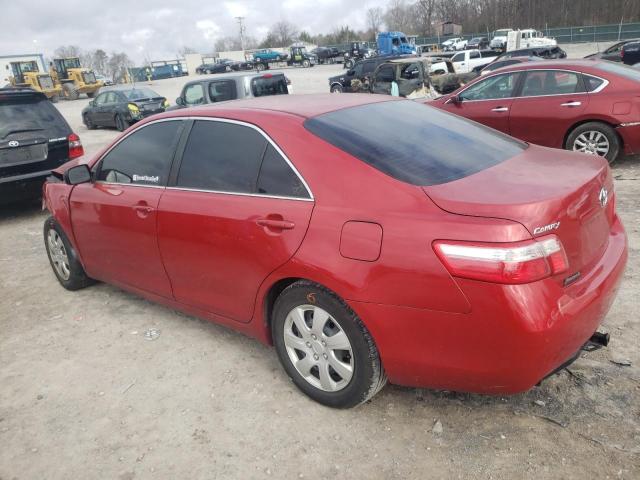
<point x="614" y="52"/>
<point x="122" y="106"/>
<point x="224" y="65"/>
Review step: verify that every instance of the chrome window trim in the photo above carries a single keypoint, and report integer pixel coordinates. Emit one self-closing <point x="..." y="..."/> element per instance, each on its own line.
<point x="213" y="119"/>
<point x="605" y="82"/>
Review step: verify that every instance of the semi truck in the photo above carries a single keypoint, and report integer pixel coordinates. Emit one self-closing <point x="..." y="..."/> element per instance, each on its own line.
<point x="395" y="43"/>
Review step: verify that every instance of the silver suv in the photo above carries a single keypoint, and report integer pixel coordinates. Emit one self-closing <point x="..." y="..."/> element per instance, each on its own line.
<point x="232" y="86"/>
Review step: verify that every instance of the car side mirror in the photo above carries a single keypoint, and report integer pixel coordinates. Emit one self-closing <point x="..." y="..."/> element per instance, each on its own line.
<point x="77" y="174"/>
<point x="180" y="101"/>
<point x="454" y="100"/>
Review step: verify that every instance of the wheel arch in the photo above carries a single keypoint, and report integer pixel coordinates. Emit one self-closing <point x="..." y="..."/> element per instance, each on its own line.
<point x="592" y="120"/>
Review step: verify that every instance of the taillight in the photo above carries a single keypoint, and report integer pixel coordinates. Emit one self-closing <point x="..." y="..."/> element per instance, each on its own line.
<point x="75" y="146"/>
<point x="511" y="263"/>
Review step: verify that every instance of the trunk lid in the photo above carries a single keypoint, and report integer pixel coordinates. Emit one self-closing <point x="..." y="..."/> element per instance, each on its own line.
<point x="548" y="191"/>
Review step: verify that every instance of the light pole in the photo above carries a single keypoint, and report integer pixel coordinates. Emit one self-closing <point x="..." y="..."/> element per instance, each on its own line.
<point x="240" y="22"/>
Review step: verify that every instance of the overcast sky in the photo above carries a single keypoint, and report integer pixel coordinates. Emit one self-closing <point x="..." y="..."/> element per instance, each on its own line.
<point x="158" y="28"/>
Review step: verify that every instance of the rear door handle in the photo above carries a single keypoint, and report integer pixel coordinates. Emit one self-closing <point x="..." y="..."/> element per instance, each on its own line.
<point x="500" y="109"/>
<point x="275" y="224"/>
<point x="571" y="104"/>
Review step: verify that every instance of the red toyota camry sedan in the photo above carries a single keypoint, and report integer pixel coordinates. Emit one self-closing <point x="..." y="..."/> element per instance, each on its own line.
<point x="582" y="105"/>
<point x="368" y="238"/>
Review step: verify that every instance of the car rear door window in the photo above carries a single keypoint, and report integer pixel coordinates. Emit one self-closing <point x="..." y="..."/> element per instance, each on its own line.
<point x="435" y="147"/>
<point x="144" y="157"/>
<point x="493" y="88"/>
<point x="223" y="90"/>
<point x="269" y="85"/>
<point x="194" y="94"/>
<point x="278" y="178"/>
<point x="551" y="82"/>
<point x="222" y="157"/>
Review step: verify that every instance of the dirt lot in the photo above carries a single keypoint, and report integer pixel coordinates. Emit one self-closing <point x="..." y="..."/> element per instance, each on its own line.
<point x="84" y="393"/>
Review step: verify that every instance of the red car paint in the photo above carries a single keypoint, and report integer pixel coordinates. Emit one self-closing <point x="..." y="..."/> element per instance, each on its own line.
<point x="548" y="120"/>
<point x="369" y="238"/>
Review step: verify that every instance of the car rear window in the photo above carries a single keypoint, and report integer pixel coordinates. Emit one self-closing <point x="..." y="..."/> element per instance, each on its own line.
<point x="622" y="70"/>
<point x="269" y="85"/>
<point x="31" y="114"/>
<point x="414" y="143"/>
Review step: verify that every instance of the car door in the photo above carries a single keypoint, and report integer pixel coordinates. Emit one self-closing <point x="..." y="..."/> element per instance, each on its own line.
<point x="550" y="102"/>
<point x="108" y="110"/>
<point x="459" y="62"/>
<point x="236" y="212"/>
<point x="114" y="217"/>
<point x="96" y="115"/>
<point x="487" y="101"/>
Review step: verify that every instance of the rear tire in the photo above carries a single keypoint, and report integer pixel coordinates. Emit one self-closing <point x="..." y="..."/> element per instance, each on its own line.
<point x="340" y="340"/>
<point x="259" y="66"/>
<point x="70" y="91"/>
<point x="595" y="138"/>
<point x="121" y="123"/>
<point x="63" y="258"/>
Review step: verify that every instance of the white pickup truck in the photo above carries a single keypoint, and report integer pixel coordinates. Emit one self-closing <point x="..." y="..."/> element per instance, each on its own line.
<point x="467" y="60"/>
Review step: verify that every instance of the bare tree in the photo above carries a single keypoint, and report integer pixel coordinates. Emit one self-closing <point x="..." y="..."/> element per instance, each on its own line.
<point x="374" y="20"/>
<point x="117" y="65"/>
<point x="283" y="33"/>
<point x="67" y="51"/>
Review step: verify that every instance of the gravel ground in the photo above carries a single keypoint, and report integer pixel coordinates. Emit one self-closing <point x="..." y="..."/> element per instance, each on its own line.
<point x="85" y="394"/>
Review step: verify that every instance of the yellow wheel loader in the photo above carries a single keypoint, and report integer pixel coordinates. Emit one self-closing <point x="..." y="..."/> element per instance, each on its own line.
<point x="73" y="78"/>
<point x="27" y="74"/>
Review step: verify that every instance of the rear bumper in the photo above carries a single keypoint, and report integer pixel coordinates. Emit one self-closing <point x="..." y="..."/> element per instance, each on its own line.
<point x="22" y="187"/>
<point x="630" y="135"/>
<point x="514" y="336"/>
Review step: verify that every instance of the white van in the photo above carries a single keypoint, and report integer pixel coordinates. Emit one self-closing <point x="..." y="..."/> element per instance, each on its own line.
<point x="467" y="60"/>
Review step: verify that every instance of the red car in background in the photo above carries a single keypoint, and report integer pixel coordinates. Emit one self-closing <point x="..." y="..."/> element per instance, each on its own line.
<point x="447" y="255"/>
<point x="584" y="105"/>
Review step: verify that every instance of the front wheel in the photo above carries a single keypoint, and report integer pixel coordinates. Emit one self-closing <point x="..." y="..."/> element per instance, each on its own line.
<point x="63" y="258"/>
<point x="88" y="123"/>
<point x="595" y="138"/>
<point x="324" y="347"/>
<point x="336" y="88"/>
<point x="260" y="67"/>
<point x="306" y="63"/>
<point x="348" y="63"/>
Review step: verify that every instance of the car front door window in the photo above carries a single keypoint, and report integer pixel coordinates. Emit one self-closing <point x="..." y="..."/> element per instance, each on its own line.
<point x="194" y="95"/>
<point x="493" y="88"/>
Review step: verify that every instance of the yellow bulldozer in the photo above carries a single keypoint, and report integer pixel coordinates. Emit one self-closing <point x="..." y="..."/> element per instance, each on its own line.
<point x="74" y="80"/>
<point x="27" y="74"/>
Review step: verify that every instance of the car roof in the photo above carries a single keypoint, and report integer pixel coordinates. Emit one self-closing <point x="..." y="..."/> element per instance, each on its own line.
<point x="585" y="65"/>
<point x="234" y="75"/>
<point x="305" y="106"/>
<point x="20" y="92"/>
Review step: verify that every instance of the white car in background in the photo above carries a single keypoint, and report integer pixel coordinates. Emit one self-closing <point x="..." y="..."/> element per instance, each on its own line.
<point x="499" y="40"/>
<point x="467" y="60"/>
<point x="456" y="43"/>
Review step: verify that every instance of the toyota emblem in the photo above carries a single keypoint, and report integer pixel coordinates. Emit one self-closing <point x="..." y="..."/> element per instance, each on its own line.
<point x="603" y="196"/>
<point x="13" y="143"/>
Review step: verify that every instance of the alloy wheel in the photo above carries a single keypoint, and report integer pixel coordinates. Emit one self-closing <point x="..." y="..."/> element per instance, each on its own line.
<point x="58" y="254"/>
<point x="592" y="142"/>
<point x="318" y="348"/>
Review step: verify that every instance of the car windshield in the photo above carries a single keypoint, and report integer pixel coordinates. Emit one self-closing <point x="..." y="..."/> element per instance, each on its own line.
<point x="426" y="146"/>
<point x="39" y="116"/>
<point x="140" y="93"/>
<point x="619" y="69"/>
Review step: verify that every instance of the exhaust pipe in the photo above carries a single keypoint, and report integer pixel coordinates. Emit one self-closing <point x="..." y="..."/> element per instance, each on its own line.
<point x="597" y="340"/>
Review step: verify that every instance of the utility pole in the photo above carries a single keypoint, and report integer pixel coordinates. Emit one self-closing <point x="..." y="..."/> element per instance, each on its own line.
<point x="240" y="22"/>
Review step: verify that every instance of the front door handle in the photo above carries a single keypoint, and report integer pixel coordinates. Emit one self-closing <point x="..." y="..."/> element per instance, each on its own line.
<point x="275" y="224"/>
<point x="500" y="109"/>
<point x="143" y="210"/>
<point x="571" y="104"/>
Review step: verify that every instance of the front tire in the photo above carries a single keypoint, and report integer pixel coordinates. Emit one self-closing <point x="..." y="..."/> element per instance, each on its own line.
<point x="88" y="123"/>
<point x="63" y="258"/>
<point x="121" y="124"/>
<point x="337" y="89"/>
<point x="595" y="138"/>
<point x="306" y="63"/>
<point x="324" y="347"/>
<point x="349" y="64"/>
<point x="70" y="91"/>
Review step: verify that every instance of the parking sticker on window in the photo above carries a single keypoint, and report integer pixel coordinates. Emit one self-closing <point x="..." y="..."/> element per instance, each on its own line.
<point x="146" y="178"/>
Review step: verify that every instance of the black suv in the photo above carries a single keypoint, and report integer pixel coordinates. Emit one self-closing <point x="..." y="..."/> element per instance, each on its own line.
<point x="550" y="52"/>
<point x="630" y="53"/>
<point x="356" y="77"/>
<point x="34" y="139"/>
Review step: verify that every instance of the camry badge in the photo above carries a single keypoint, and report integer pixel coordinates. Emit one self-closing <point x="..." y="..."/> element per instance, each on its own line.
<point x="13" y="143"/>
<point x="603" y="196"/>
<point x="546" y="228"/>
